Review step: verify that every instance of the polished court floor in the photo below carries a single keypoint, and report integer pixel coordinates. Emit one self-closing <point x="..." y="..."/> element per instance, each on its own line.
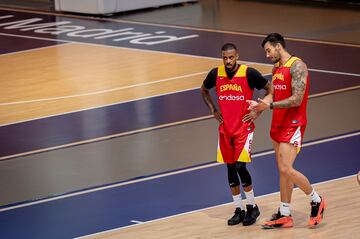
<point x="110" y="130"/>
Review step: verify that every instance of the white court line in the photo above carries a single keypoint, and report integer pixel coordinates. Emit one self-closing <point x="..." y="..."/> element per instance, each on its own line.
<point x="106" y="137"/>
<point x="97" y="107"/>
<point x="169" y="93"/>
<point x="142" y="130"/>
<point x="135" y="131"/>
<point x="179" y="27"/>
<point x="138" y="85"/>
<point x="335" y="72"/>
<point x="141" y="50"/>
<point x="165" y="175"/>
<point x="172" y="53"/>
<point x="200" y="210"/>
<point x="121" y="47"/>
<point x="334" y="91"/>
<point x="136" y="222"/>
<point x="34" y="49"/>
<point x="36" y="38"/>
<point x="105" y="91"/>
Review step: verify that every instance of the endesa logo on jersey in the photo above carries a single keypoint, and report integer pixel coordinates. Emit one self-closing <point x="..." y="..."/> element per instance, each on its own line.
<point x="280" y="87"/>
<point x="231" y="97"/>
<point x="279" y="76"/>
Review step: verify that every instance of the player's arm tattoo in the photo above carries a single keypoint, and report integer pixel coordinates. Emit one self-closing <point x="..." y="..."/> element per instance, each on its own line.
<point x="299" y="74"/>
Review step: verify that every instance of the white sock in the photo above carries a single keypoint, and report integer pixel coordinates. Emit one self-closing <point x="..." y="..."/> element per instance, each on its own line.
<point x="285" y="209"/>
<point x="238" y="201"/>
<point x="250" y="199"/>
<point x="314" y="196"/>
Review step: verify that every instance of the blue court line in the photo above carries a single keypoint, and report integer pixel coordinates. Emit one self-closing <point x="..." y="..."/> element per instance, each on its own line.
<point x="171" y="195"/>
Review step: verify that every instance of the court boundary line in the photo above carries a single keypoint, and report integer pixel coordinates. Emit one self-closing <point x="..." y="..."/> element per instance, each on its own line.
<point x="63" y="14"/>
<point x="137" y="131"/>
<point x="172" y="53"/>
<point x="202" y="209"/>
<point x="161" y="175"/>
<point x="34" y="49"/>
<point x="152" y="51"/>
<point x="104" y="91"/>
<point x="134" y="86"/>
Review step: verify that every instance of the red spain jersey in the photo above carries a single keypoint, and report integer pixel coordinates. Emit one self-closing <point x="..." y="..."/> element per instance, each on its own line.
<point x="281" y="79"/>
<point x="232" y="95"/>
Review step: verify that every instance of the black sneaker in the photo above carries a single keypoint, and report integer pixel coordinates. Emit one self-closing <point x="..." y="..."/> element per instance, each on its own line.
<point x="252" y="212"/>
<point x="237" y="218"/>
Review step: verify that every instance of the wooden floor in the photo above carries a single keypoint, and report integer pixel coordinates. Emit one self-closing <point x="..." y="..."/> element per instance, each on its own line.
<point x="75" y="81"/>
<point x="341" y="219"/>
<point x="60" y="79"/>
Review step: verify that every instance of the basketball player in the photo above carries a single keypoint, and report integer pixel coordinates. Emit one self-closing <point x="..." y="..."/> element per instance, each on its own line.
<point x="235" y="84"/>
<point x="289" y="99"/>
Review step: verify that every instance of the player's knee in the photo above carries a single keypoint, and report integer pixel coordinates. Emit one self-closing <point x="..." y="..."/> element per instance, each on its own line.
<point x="233" y="178"/>
<point x="285" y="170"/>
<point x="241" y="168"/>
<point x="244" y="174"/>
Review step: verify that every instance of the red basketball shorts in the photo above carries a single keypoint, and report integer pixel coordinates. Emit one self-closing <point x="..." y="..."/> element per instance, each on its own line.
<point x="288" y="134"/>
<point x="233" y="149"/>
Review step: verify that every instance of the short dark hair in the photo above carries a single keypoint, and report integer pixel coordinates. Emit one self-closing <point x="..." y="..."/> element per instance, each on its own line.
<point x="228" y="46"/>
<point x="273" y="38"/>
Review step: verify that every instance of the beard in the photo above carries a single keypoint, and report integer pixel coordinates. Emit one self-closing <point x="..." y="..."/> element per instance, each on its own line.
<point x="230" y="68"/>
<point x="276" y="58"/>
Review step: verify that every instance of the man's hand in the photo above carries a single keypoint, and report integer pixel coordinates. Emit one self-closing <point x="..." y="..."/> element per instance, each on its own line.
<point x="259" y="106"/>
<point x="252" y="104"/>
<point x="218" y="116"/>
<point x="250" y="117"/>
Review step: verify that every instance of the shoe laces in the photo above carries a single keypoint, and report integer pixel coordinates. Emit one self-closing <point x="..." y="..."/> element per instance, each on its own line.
<point x="276" y="216"/>
<point x="238" y="210"/>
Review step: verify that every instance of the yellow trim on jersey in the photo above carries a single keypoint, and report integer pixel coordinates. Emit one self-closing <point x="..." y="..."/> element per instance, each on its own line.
<point x="221" y="71"/>
<point x="245" y="155"/>
<point x="288" y="63"/>
<point x="219" y="157"/>
<point x="241" y="72"/>
<point x="291" y="61"/>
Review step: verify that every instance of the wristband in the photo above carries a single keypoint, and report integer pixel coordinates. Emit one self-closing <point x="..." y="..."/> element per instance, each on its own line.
<point x="271" y="105"/>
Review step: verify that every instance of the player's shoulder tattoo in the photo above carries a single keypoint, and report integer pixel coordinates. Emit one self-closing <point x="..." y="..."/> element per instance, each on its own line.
<point x="298" y="70"/>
